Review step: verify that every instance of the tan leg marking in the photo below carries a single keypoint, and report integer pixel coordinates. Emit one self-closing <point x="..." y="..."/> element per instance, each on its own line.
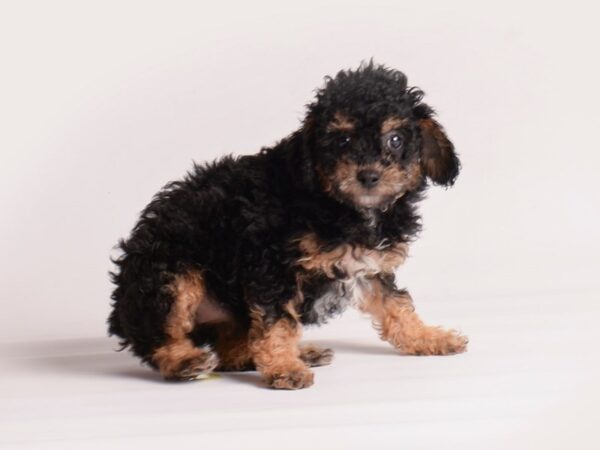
<point x="395" y="318"/>
<point x="179" y="358"/>
<point x="234" y="353"/>
<point x="276" y="353"/>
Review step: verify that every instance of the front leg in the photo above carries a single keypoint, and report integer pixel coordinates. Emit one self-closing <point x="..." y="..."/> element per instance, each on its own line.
<point x="395" y="318"/>
<point x="274" y="348"/>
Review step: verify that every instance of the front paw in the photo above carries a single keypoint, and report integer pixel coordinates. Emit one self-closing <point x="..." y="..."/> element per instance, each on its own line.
<point x="291" y="380"/>
<point x="314" y="356"/>
<point x="436" y="341"/>
<point x="195" y="367"/>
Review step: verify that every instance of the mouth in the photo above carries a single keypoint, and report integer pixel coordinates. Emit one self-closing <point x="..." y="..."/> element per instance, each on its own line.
<point x="376" y="201"/>
<point x="368" y="201"/>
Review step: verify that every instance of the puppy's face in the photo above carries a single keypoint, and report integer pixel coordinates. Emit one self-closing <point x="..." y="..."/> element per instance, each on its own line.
<point x="368" y="164"/>
<point x="372" y="141"/>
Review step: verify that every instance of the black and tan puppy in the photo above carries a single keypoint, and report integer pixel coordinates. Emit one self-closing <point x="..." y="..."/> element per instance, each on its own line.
<point x="225" y="267"/>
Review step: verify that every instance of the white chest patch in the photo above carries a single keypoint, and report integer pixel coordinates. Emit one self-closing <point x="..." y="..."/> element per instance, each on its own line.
<point x="337" y="298"/>
<point x="349" y="269"/>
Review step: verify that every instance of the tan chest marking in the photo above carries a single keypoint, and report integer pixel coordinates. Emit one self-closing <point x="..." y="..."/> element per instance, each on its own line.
<point x="353" y="261"/>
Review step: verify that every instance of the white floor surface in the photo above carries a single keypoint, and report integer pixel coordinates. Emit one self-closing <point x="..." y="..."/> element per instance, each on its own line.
<point x="529" y="380"/>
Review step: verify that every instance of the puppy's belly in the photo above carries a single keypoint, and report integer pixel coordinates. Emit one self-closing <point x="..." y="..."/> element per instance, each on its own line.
<point x="332" y="298"/>
<point x="210" y="311"/>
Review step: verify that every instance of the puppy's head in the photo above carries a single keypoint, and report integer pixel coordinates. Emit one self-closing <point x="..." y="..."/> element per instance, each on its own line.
<point x="369" y="140"/>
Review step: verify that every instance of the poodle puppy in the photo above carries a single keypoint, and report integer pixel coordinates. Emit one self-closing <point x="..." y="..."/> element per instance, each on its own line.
<point x="226" y="266"/>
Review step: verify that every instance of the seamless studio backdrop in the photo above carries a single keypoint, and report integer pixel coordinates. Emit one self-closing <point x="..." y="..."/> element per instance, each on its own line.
<point x="103" y="103"/>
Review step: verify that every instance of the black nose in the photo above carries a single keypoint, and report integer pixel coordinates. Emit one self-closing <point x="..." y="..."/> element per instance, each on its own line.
<point x="368" y="178"/>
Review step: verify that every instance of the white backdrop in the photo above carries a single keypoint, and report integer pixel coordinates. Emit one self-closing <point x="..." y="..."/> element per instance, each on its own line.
<point x="102" y="103"/>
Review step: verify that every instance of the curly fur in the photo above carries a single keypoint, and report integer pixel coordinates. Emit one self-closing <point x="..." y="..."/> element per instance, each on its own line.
<point x="237" y="222"/>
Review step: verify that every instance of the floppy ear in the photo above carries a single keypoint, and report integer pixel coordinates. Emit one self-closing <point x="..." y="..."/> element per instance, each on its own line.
<point x="438" y="159"/>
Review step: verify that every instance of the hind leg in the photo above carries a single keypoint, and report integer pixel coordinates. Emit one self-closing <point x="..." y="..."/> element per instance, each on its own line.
<point x="234" y="352"/>
<point x="179" y="358"/>
<point x="275" y="351"/>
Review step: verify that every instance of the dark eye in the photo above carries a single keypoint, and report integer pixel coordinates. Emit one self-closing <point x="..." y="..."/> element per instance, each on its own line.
<point x="343" y="141"/>
<point x="395" y="141"/>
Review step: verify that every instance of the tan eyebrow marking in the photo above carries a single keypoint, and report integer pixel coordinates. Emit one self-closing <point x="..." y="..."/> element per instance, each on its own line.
<point x="391" y="123"/>
<point x="340" y="122"/>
